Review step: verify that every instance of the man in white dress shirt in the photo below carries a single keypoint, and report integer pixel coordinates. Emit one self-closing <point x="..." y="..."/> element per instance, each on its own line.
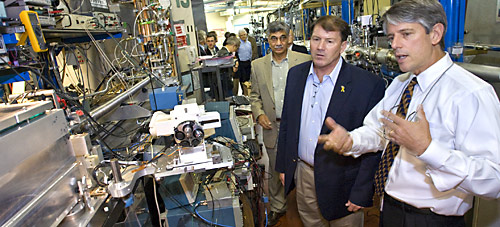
<point x="445" y="155"/>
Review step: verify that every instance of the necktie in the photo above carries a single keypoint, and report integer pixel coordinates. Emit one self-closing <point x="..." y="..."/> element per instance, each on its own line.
<point x="392" y="148"/>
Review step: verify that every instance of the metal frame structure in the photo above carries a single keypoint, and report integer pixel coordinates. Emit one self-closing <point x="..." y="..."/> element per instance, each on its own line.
<point x="455" y="12"/>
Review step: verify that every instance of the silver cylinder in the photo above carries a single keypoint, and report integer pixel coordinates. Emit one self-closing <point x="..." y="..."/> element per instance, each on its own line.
<point x="115" y="167"/>
<point x="116" y="101"/>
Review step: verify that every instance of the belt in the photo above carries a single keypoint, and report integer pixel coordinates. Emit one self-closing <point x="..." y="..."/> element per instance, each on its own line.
<point x="307" y="164"/>
<point x="406" y="207"/>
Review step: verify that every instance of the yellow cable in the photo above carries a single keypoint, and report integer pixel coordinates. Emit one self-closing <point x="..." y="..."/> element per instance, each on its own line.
<point x="328" y="6"/>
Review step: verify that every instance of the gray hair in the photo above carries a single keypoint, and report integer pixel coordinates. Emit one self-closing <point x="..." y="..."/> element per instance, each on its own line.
<point x="202" y="36"/>
<point x="425" y="12"/>
<point x="233" y="41"/>
<point x="242" y="31"/>
<point x="277" y="26"/>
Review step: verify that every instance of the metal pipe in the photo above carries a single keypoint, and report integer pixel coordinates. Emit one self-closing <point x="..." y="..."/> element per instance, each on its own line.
<point x="96" y="93"/>
<point x="115" y="168"/>
<point x="116" y="101"/>
<point x="486" y="72"/>
<point x="492" y="47"/>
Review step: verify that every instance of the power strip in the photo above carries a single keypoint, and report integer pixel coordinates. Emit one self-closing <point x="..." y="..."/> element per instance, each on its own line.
<point x="81" y="22"/>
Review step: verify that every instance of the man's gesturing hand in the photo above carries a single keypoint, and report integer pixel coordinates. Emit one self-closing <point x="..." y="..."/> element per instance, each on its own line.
<point x="338" y="140"/>
<point x="415" y="136"/>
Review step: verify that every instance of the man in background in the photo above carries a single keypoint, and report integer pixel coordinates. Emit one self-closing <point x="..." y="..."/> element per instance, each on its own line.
<point x="244" y="59"/>
<point x="331" y="188"/>
<point x="211" y="48"/>
<point x="232" y="45"/>
<point x="253" y="41"/>
<point x="214" y="34"/>
<point x="227" y="35"/>
<point x="202" y="36"/>
<point x="268" y="79"/>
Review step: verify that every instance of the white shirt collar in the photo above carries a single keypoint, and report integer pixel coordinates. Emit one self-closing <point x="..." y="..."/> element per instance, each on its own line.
<point x="273" y="61"/>
<point x="435" y="71"/>
<point x="333" y="74"/>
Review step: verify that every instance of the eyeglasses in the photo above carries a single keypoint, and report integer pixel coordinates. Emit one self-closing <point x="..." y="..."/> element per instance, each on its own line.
<point x="282" y="38"/>
<point x="412" y="117"/>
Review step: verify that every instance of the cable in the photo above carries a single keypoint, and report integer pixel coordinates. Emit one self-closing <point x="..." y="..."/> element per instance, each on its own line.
<point x="143" y="141"/>
<point x="13" y="69"/>
<point x="179" y="204"/>
<point x="91" y="123"/>
<point x="212" y="200"/>
<point x="156" y="202"/>
<point x="74" y="10"/>
<point x="251" y="158"/>
<point x="206" y="220"/>
<point x="94" y="174"/>
<point x="265" y="211"/>
<point x="134" y="63"/>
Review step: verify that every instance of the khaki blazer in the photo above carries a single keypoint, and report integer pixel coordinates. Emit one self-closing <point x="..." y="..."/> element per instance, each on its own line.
<point x="262" y="94"/>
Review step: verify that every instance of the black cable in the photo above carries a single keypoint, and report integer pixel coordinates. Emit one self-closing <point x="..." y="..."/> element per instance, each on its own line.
<point x="79" y="78"/>
<point x="172" y="197"/>
<point x="152" y="87"/>
<point x="94" y="174"/>
<point x="70" y="22"/>
<point x="13" y="69"/>
<point x="92" y="121"/>
<point x="135" y="64"/>
<point x="67" y="5"/>
<point x="251" y="159"/>
<point x="84" y="111"/>
<point x="213" y="203"/>
<point x="104" y="79"/>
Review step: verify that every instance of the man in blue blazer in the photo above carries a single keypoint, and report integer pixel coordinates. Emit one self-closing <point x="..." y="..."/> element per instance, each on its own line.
<point x="331" y="188"/>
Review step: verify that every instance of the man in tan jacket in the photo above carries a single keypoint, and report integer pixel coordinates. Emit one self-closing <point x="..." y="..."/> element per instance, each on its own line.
<point x="268" y="79"/>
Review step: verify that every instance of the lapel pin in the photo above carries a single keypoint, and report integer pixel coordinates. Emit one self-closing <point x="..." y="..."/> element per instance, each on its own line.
<point x="342" y="88"/>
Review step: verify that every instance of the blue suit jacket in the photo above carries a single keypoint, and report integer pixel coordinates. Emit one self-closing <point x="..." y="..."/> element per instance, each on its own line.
<point x="338" y="178"/>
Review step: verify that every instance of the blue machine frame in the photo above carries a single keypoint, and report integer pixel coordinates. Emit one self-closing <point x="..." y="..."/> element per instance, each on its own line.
<point x="455" y="13"/>
<point x="348" y="5"/>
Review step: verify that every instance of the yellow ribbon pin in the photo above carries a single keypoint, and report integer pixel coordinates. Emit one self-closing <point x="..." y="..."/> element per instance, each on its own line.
<point x="342" y="88"/>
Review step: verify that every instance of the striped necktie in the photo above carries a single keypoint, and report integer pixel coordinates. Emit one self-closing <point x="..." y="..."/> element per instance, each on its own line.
<point x="392" y="148"/>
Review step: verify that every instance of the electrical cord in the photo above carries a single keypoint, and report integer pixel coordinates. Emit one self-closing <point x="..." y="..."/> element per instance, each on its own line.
<point x="156" y="202"/>
<point x="249" y="158"/>
<point x="135" y="64"/>
<point x="206" y="220"/>
<point x="13" y="69"/>
<point x="94" y="174"/>
<point x="131" y="147"/>
<point x="265" y="211"/>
